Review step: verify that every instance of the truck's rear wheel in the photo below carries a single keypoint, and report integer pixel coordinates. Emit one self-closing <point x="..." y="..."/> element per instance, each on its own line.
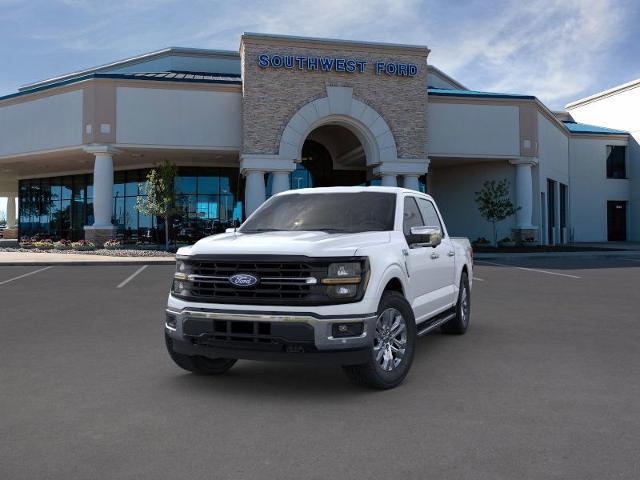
<point x="199" y="365"/>
<point x="458" y="325"/>
<point x="393" y="345"/>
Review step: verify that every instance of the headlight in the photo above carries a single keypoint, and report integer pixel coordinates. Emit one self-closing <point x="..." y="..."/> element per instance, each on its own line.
<point x="181" y="287"/>
<point x="343" y="273"/>
<point x="182" y="270"/>
<point x="343" y="279"/>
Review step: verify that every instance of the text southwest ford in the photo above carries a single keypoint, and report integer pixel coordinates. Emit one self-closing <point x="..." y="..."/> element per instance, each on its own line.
<point x="343" y="275"/>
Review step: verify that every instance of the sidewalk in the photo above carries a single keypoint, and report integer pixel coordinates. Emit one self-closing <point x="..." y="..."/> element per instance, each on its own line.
<point x="592" y="253"/>
<point x="36" y="259"/>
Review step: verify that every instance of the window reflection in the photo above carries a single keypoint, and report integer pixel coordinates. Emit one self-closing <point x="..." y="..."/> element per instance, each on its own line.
<point x="208" y="202"/>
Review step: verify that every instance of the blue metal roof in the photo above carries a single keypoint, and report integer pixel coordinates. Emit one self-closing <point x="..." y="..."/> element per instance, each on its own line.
<point x="575" y="127"/>
<point x="188" y="77"/>
<point x="445" y="92"/>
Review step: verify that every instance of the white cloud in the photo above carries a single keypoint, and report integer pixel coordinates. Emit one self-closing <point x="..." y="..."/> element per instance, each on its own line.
<point x="553" y="49"/>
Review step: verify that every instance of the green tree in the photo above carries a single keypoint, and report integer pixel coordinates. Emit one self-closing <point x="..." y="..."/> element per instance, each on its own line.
<point x="160" y="199"/>
<point x="494" y="203"/>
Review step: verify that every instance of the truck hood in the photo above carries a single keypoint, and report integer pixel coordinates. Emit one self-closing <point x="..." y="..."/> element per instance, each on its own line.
<point x="311" y="244"/>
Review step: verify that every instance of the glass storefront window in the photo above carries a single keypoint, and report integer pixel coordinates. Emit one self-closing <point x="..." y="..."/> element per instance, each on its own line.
<point x="208" y="202"/>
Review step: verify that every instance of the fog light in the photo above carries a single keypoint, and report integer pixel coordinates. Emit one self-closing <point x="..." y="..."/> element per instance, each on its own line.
<point x="342" y="291"/>
<point x="171" y="320"/>
<point x="352" y="329"/>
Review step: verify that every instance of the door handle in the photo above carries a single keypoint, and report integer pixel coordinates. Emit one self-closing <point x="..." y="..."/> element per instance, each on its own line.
<point x="434" y="255"/>
<point x="451" y="253"/>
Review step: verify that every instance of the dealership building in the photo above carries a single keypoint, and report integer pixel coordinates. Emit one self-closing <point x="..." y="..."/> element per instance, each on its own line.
<point x="289" y="112"/>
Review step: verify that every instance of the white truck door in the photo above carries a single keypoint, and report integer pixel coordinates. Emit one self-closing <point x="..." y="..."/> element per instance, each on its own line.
<point x="443" y="257"/>
<point x="423" y="269"/>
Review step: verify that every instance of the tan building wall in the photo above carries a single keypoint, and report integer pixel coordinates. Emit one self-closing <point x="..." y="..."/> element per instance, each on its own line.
<point x="271" y="96"/>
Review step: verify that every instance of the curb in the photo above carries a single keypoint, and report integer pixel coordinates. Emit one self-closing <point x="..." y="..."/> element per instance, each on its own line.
<point x="91" y="263"/>
<point x="616" y="253"/>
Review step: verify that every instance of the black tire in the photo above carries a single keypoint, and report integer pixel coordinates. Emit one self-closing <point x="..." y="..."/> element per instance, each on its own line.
<point x="372" y="374"/>
<point x="459" y="324"/>
<point x="197" y="364"/>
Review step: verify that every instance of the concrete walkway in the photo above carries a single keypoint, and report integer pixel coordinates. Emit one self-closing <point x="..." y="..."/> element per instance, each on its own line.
<point x="33" y="258"/>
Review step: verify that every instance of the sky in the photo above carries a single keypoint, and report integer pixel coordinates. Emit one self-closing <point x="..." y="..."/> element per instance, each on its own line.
<point x="558" y="50"/>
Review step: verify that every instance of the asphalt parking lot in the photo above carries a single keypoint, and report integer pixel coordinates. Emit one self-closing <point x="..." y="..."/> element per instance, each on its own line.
<point x="544" y="385"/>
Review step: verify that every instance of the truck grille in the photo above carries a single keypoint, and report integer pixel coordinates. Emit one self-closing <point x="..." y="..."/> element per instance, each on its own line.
<point x="291" y="282"/>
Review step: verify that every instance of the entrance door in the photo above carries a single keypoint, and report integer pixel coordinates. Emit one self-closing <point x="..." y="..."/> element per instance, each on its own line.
<point x="617" y="221"/>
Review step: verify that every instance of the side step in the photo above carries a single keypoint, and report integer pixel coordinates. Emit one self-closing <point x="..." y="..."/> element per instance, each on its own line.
<point x="435" y="322"/>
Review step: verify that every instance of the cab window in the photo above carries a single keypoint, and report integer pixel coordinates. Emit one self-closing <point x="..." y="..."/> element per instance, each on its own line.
<point x="429" y="213"/>
<point x="411" y="216"/>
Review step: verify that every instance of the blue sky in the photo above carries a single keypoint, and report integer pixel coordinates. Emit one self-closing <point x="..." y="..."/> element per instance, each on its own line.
<point x="557" y="50"/>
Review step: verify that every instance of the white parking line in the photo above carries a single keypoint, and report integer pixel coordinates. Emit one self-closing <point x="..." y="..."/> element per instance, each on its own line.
<point x="476" y="279"/>
<point x="132" y="276"/>
<point x="528" y="269"/>
<point x="632" y="259"/>
<point x="24" y="275"/>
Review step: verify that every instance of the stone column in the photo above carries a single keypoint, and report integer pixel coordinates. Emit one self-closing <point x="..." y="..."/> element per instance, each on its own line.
<point x="11" y="212"/>
<point x="524" y="198"/>
<point x="389" y="180"/>
<point x="411" y="182"/>
<point x="254" y="192"/>
<point x="253" y="167"/>
<point x="11" y="232"/>
<point x="280" y="182"/>
<point x="102" y="228"/>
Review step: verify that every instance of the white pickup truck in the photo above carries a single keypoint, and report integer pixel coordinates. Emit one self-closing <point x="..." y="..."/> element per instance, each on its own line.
<point x="347" y="275"/>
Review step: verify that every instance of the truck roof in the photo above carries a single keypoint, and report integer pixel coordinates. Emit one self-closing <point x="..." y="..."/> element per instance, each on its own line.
<point x="395" y="190"/>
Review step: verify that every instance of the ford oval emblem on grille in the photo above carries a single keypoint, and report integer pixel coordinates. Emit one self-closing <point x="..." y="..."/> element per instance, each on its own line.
<point x="243" y="280"/>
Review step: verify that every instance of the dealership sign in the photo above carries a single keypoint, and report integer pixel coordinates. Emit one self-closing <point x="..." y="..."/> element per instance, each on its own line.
<point x="335" y="64"/>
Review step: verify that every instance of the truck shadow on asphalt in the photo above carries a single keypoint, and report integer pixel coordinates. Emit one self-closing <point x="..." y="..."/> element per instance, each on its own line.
<point x="307" y="380"/>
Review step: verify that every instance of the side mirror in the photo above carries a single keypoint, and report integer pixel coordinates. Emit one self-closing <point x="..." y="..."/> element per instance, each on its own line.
<point x="425" y="237"/>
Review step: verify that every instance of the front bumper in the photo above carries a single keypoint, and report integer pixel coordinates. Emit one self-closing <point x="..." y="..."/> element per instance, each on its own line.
<point x="260" y="335"/>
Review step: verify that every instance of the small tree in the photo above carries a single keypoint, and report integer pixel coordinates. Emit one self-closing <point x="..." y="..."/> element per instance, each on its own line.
<point x="494" y="203"/>
<point x="160" y="200"/>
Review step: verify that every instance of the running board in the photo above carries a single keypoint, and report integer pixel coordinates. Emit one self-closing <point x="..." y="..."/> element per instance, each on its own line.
<point x="436" y="321"/>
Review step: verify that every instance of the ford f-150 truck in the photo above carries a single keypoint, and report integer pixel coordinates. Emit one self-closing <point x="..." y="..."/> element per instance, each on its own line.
<point x="347" y="275"/>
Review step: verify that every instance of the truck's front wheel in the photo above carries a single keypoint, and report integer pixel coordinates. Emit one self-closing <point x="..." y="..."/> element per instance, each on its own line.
<point x="393" y="345"/>
<point x="199" y="365"/>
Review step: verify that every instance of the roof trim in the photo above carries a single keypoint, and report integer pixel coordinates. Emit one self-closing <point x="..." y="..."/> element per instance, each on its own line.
<point x="585" y="128"/>
<point x="132" y="61"/>
<point x="605" y="93"/>
<point x="118" y="76"/>
<point x="446" y="92"/>
<point x="334" y="41"/>
<point x="447" y="77"/>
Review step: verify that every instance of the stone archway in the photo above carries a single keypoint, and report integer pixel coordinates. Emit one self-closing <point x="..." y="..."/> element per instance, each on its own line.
<point x="340" y="108"/>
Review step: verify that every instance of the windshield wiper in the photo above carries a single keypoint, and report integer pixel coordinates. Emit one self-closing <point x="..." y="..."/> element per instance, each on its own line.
<point x="261" y="230"/>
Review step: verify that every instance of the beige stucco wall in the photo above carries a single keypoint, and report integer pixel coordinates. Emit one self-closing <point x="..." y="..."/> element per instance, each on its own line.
<point x="272" y="96"/>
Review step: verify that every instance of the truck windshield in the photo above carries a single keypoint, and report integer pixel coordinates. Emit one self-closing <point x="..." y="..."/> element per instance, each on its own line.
<point x="329" y="212"/>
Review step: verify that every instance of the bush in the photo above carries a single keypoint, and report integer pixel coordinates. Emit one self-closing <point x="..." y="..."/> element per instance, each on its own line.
<point x="62" y="245"/>
<point x="26" y="242"/>
<point x="43" y="244"/>
<point x="112" y="244"/>
<point x="83" y="245"/>
<point x="481" y="241"/>
<point x="505" y="240"/>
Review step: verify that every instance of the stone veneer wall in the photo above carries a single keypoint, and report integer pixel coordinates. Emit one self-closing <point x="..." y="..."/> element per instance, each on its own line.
<point x="271" y="96"/>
